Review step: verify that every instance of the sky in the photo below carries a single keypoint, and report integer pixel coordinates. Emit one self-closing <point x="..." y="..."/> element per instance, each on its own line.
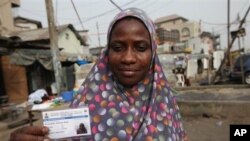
<point x="212" y="14"/>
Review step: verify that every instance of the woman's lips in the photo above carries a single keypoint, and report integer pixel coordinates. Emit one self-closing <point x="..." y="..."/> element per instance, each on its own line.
<point x="128" y="73"/>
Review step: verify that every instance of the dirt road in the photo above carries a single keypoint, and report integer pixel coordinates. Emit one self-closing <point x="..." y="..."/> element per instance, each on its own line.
<point x="214" y="126"/>
<point x="204" y="126"/>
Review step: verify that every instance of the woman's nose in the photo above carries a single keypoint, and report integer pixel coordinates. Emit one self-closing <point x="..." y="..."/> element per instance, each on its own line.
<point x="129" y="56"/>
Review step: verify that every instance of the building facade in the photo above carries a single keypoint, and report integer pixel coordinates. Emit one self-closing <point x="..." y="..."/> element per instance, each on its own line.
<point x="179" y="25"/>
<point x="25" y="56"/>
<point x="6" y="15"/>
<point x="175" y="31"/>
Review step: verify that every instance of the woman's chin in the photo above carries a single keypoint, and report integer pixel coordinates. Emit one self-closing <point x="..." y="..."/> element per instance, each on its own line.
<point x="128" y="84"/>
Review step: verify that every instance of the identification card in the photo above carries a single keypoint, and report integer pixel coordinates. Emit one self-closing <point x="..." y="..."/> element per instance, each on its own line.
<point x="67" y="123"/>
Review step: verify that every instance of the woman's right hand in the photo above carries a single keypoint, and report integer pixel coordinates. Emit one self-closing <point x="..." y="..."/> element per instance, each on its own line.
<point x="30" y="133"/>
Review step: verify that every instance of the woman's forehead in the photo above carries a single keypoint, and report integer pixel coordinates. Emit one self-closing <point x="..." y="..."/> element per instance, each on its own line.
<point x="129" y="22"/>
<point x="134" y="13"/>
<point x="130" y="29"/>
<point x="141" y="16"/>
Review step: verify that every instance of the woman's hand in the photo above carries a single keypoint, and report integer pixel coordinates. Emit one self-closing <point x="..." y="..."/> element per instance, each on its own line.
<point x="30" y="133"/>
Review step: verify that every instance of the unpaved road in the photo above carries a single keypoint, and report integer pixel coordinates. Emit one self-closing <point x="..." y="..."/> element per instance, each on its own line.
<point x="203" y="127"/>
<point x="215" y="127"/>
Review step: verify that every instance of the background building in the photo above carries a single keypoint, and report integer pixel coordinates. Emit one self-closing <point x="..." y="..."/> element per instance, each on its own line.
<point x="175" y="31"/>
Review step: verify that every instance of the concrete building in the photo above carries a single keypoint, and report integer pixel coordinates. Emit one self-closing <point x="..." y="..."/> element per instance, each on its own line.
<point x="6" y="15"/>
<point x="175" y="31"/>
<point x="179" y="25"/>
<point x="25" y="56"/>
<point x="34" y="54"/>
<point x="18" y="87"/>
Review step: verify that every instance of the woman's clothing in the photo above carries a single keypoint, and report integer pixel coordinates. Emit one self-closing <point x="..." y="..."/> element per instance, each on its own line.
<point x="148" y="112"/>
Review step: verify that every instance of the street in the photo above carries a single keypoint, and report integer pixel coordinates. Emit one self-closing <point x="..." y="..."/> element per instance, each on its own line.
<point x="202" y="122"/>
<point x="208" y="113"/>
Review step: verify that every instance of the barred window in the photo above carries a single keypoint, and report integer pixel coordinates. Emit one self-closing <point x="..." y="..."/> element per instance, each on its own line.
<point x="185" y="32"/>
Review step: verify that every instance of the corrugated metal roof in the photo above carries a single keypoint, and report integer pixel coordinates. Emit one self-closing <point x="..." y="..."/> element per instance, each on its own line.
<point x="42" y="34"/>
<point x="169" y="18"/>
<point x="20" y="19"/>
<point x="31" y="35"/>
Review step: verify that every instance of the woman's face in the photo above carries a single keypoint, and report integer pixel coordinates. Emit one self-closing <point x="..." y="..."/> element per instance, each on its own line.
<point x="130" y="52"/>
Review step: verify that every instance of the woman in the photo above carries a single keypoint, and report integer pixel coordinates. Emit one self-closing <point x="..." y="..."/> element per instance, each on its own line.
<point x="126" y="90"/>
<point x="82" y="129"/>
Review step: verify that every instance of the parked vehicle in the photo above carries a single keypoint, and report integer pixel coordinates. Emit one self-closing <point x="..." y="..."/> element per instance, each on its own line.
<point x="236" y="74"/>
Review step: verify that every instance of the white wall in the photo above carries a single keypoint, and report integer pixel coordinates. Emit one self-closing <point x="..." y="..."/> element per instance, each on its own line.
<point x="69" y="42"/>
<point x="218" y="57"/>
<point x="195" y="45"/>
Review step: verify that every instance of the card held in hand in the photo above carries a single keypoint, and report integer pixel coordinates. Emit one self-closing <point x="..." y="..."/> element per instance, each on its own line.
<point x="68" y="123"/>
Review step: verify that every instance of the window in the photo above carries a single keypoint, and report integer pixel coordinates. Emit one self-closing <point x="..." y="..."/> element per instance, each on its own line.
<point x="67" y="36"/>
<point x="185" y="32"/>
<point x="161" y="33"/>
<point x="38" y="77"/>
<point x="176" y="35"/>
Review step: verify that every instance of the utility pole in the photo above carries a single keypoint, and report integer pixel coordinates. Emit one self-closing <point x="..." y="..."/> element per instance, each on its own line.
<point x="228" y="35"/>
<point x="231" y="44"/>
<point x="99" y="40"/>
<point x="241" y="57"/>
<point x="241" y="63"/>
<point x="54" y="46"/>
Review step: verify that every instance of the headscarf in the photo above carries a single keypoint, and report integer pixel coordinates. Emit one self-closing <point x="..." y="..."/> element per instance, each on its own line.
<point x="150" y="114"/>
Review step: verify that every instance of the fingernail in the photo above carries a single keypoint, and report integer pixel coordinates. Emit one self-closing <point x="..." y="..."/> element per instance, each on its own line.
<point x="46" y="140"/>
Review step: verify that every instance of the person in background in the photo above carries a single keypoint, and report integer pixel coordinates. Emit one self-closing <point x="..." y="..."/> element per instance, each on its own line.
<point x="126" y="90"/>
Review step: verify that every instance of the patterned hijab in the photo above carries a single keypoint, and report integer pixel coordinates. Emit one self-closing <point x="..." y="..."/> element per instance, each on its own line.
<point x="150" y="114"/>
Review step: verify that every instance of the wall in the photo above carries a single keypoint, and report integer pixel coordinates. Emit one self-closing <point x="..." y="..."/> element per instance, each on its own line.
<point x="6" y="19"/>
<point x="192" y="26"/>
<point x="195" y="45"/>
<point x="15" y="81"/>
<point x="167" y="62"/>
<point x="70" y="44"/>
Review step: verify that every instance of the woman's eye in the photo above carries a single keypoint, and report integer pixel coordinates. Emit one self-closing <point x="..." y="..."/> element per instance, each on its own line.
<point x="142" y="47"/>
<point x="116" y="48"/>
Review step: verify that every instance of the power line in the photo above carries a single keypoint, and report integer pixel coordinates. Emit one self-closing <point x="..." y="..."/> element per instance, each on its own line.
<point x="210" y="23"/>
<point x="143" y="3"/>
<point x="86" y="19"/>
<point x="77" y="14"/>
<point x="43" y="15"/>
<point x="159" y="7"/>
<point x="223" y="28"/>
<point x="107" y="12"/>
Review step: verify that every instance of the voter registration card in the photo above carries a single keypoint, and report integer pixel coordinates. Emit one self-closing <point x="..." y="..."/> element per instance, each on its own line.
<point x="67" y="123"/>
